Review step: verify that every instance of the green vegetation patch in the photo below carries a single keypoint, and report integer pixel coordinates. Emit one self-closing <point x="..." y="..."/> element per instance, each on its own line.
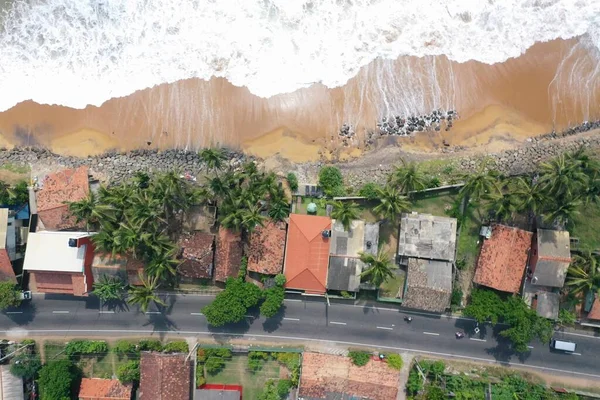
<point x="393" y="287"/>
<point x="585" y="227"/>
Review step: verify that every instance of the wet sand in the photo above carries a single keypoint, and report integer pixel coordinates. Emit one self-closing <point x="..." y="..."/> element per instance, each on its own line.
<point x="552" y="86"/>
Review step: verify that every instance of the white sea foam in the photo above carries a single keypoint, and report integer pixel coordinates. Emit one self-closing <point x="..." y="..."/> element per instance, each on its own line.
<point x="79" y="52"/>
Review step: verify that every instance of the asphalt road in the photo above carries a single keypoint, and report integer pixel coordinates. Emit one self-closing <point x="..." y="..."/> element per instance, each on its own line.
<point x="302" y="319"/>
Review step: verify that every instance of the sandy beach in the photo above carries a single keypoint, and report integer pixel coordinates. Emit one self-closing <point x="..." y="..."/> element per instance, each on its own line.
<point x="500" y="105"/>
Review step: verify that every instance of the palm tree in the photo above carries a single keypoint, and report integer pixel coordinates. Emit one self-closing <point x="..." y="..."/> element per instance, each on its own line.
<point x="162" y="265"/>
<point x="483" y="184"/>
<point x="345" y="212"/>
<point x="279" y="210"/>
<point x="213" y="158"/>
<point x="252" y="218"/>
<point x="528" y="196"/>
<point x="106" y="240"/>
<point x="564" y="211"/>
<point x="91" y="210"/>
<point x="407" y="178"/>
<point x="146" y="293"/>
<point x="109" y="288"/>
<point x="380" y="267"/>
<point x="584" y="274"/>
<point x="504" y="207"/>
<point x="562" y="176"/>
<point x="391" y="203"/>
<point x="146" y="212"/>
<point x="231" y="213"/>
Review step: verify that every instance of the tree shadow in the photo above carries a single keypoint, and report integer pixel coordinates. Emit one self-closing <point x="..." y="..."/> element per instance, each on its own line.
<point x="161" y="324"/>
<point x="22" y="315"/>
<point x="233" y="329"/>
<point x="272" y="324"/>
<point x="115" y="305"/>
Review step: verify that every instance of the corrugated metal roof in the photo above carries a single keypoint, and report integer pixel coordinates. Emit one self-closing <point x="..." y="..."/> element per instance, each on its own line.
<point x="11" y="387"/>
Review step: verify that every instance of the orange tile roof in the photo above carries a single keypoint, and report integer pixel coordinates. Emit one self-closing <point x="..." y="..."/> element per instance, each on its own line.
<point x="595" y="311"/>
<point x="503" y="258"/>
<point x="6" y="270"/>
<point x="64" y="186"/>
<point x="307" y="253"/>
<point x="164" y="377"/>
<point x="57" y="282"/>
<point x="103" y="389"/>
<point x="267" y="245"/>
<point x="228" y="256"/>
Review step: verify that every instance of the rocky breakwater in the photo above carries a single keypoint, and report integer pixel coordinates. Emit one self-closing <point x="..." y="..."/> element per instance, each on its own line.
<point x="115" y="167"/>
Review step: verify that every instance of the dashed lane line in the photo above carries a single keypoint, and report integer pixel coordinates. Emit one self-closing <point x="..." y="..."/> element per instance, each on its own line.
<point x="337" y="323"/>
<point x="431" y="333"/>
<point x="478" y="340"/>
<point x="292" y="319"/>
<point x="386" y="328"/>
<point x="60" y="312"/>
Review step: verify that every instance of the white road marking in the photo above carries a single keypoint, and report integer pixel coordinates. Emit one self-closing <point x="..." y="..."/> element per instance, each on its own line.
<point x="106" y="312"/>
<point x="478" y="340"/>
<point x="14" y="312"/>
<point x="337" y="323"/>
<point x="297" y="338"/>
<point x="249" y="316"/>
<point x="60" y="312"/>
<point x="576" y="354"/>
<point x="196" y="313"/>
<point x="582" y="335"/>
<point x="426" y="314"/>
<point x="292" y="319"/>
<point x="292" y="300"/>
<point x="431" y="333"/>
<point x="152" y="312"/>
<point x="385" y="327"/>
<point x="530" y="347"/>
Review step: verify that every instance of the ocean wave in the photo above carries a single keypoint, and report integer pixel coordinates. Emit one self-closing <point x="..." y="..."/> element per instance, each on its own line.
<point x="80" y="52"/>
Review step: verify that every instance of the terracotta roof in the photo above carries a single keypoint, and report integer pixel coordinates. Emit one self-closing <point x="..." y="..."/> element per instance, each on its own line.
<point x="428" y="285"/>
<point x="197" y="252"/>
<point x="164" y="377"/>
<point x="57" y="282"/>
<point x="595" y="310"/>
<point x="503" y="258"/>
<point x="134" y="268"/>
<point x="103" y="389"/>
<point x="324" y="374"/>
<point x="64" y="186"/>
<point x="307" y="253"/>
<point x="267" y="246"/>
<point x="6" y="271"/>
<point x="228" y="256"/>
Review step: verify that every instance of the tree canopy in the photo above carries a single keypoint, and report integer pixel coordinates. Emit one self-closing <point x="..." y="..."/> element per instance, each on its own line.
<point x="9" y="296"/>
<point x="56" y="380"/>
<point x="231" y="305"/>
<point x="331" y="181"/>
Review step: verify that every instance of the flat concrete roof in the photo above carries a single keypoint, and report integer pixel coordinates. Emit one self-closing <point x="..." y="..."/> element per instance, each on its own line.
<point x="427" y="236"/>
<point x="50" y="251"/>
<point x="347" y="243"/>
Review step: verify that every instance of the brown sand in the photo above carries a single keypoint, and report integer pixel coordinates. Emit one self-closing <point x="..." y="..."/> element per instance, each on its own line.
<point x="499" y="104"/>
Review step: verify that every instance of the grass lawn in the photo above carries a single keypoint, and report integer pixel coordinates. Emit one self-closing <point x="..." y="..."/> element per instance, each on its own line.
<point x="392" y="286"/>
<point x="101" y="366"/>
<point x="585" y="227"/>
<point x="301" y="207"/>
<point x="236" y="372"/>
<point x="54" y="351"/>
<point x="434" y="204"/>
<point x="468" y="246"/>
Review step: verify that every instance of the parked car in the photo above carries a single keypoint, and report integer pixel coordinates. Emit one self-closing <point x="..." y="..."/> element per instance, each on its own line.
<point x="25" y="295"/>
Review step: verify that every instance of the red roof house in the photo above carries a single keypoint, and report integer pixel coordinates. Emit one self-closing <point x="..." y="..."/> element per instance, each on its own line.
<point x="503" y="259"/>
<point x="6" y="270"/>
<point x="267" y="246"/>
<point x="228" y="256"/>
<point x="165" y="377"/>
<point x="68" y="185"/>
<point x="103" y="389"/>
<point x="307" y="253"/>
<point x="197" y="250"/>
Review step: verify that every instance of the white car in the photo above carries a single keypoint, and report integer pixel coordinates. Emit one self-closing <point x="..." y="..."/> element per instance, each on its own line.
<point x="25" y="295"/>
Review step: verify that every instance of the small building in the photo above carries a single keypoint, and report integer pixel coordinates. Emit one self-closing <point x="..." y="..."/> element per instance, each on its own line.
<point x="307" y="253"/>
<point x="124" y="266"/>
<point x="11" y="386"/>
<point x="53" y="192"/>
<point x="228" y="256"/>
<point x="547" y="304"/>
<point x="503" y="259"/>
<point x="594" y="313"/>
<point x="165" y="377"/>
<point x="218" y="392"/>
<point x="428" y="285"/>
<point x="267" y="248"/>
<point x="7" y="272"/>
<point x="103" y="389"/>
<point x="60" y="262"/>
<point x="550" y="258"/>
<point x="8" y="232"/>
<point x="427" y="236"/>
<point x="196" y="254"/>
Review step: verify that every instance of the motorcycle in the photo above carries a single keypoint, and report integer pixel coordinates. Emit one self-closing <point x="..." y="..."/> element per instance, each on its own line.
<point x="408" y="319"/>
<point x="459" y="335"/>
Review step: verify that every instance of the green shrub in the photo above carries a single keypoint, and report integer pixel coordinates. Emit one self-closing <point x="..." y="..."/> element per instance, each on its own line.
<point x="125" y="348"/>
<point x="9" y="295"/>
<point x="25" y="365"/>
<point x="370" y="191"/>
<point x="56" y="380"/>
<point x="84" y="347"/>
<point x="200" y="380"/>
<point x="150" y="345"/>
<point x="566" y="317"/>
<point x="331" y="181"/>
<point x="290" y="360"/>
<point x="283" y="388"/>
<point x="28" y="342"/>
<point x="346" y="295"/>
<point x="280" y="279"/>
<point x="273" y="301"/>
<point x="434" y="182"/>
<point x="395" y="361"/>
<point x="457" y="295"/>
<point x="129" y="372"/>
<point x="214" y="365"/>
<point x="460" y="264"/>
<point x="178" y="346"/>
<point x="292" y="181"/>
<point x="256" y="360"/>
<point x="243" y="268"/>
<point x="360" y="358"/>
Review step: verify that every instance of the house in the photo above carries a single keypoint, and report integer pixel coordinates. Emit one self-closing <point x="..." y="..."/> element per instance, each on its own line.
<point x="345" y="266"/>
<point x="307" y="253"/>
<point x="6" y="270"/>
<point x="218" y="392"/>
<point x="428" y="285"/>
<point x="228" y="256"/>
<point x="550" y="258"/>
<point x="53" y="192"/>
<point x="11" y="386"/>
<point x="60" y="262"/>
<point x="103" y="389"/>
<point x="125" y="266"/>
<point x="327" y="376"/>
<point x="594" y="313"/>
<point x="197" y="254"/>
<point x="427" y="236"/>
<point x="165" y="377"/>
<point x="8" y="233"/>
<point x="547" y="304"/>
<point x="267" y="248"/>
<point x="503" y="259"/>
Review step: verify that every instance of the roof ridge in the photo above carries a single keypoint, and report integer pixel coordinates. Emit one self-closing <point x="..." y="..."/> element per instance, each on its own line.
<point x="311" y="273"/>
